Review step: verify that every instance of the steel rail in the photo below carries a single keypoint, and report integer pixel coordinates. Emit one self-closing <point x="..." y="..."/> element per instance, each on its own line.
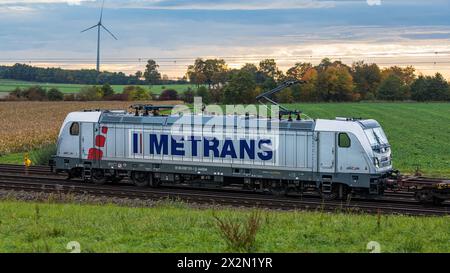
<point x="58" y="185"/>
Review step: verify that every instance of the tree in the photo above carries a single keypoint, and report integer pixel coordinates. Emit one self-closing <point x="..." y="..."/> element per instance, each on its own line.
<point x="139" y="74"/>
<point x="438" y="88"/>
<point x="366" y="77"/>
<point x="136" y="93"/>
<point x="55" y="95"/>
<point x="240" y="89"/>
<point x="406" y="75"/>
<point x="326" y="63"/>
<point x="58" y="75"/>
<point x="212" y="72"/>
<point x="188" y="95"/>
<point x="169" y="94"/>
<point x="203" y="92"/>
<point x="90" y="93"/>
<point x="285" y="96"/>
<point x="392" y="88"/>
<point x="430" y="88"/>
<point x="107" y="90"/>
<point x="216" y="95"/>
<point x="250" y="68"/>
<point x="151" y="74"/>
<point x="335" y="84"/>
<point x="269" y="69"/>
<point x="307" y="91"/>
<point x="298" y="71"/>
<point x="35" y="93"/>
<point x="17" y="93"/>
<point x="419" y="89"/>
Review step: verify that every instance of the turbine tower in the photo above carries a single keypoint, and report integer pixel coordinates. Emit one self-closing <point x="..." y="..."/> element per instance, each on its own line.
<point x="99" y="25"/>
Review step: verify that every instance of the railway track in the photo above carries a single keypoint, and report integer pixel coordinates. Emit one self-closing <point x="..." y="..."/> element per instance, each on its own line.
<point x="40" y="179"/>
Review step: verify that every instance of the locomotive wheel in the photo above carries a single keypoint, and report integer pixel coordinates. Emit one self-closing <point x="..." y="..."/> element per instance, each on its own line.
<point x="98" y="177"/>
<point x="338" y="191"/>
<point x="153" y="182"/>
<point x="74" y="173"/>
<point x="140" y="179"/>
<point x="329" y="195"/>
<point x="115" y="179"/>
<point x="424" y="197"/>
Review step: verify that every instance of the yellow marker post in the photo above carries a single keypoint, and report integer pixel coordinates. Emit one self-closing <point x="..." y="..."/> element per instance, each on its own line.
<point x="27" y="162"/>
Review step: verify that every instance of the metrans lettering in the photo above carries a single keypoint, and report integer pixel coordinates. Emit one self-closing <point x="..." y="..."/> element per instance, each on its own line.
<point x="176" y="145"/>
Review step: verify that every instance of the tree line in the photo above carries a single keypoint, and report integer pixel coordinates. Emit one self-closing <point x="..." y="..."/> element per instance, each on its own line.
<point x="329" y="81"/>
<point x="90" y="93"/>
<point x="26" y="72"/>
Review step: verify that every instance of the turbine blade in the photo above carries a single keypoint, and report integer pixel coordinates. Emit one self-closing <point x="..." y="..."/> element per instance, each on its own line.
<point x="101" y="13"/>
<point x="89" y="28"/>
<point x="109" y="32"/>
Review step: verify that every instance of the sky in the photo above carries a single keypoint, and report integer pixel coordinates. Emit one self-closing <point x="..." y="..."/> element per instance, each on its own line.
<point x="175" y="32"/>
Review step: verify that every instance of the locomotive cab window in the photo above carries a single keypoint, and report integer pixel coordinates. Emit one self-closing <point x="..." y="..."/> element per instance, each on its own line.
<point x="75" y="129"/>
<point x="344" y="140"/>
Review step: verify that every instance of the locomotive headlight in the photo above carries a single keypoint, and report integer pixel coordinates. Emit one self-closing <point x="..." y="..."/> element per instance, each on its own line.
<point x="376" y="161"/>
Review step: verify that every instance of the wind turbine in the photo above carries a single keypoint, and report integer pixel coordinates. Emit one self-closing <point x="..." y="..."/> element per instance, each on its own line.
<point x="99" y="25"/>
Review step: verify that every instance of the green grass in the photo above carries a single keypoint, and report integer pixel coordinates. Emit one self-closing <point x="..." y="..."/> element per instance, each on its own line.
<point x="9" y="85"/>
<point x="418" y="132"/>
<point x="16" y="158"/>
<point x="47" y="227"/>
<point x="39" y="156"/>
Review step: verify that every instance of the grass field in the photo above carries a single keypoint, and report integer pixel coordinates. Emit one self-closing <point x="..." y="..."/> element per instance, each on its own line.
<point x="418" y="132"/>
<point x="174" y="227"/>
<point x="9" y="85"/>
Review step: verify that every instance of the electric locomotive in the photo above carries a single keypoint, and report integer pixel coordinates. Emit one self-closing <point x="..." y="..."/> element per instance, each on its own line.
<point x="292" y="155"/>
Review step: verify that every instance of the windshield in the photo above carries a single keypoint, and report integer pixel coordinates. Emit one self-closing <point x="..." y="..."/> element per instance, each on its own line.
<point x="376" y="136"/>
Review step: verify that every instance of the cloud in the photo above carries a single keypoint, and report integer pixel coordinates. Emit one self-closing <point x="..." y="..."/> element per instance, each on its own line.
<point x="216" y="4"/>
<point x="188" y="4"/>
<point x="18" y="2"/>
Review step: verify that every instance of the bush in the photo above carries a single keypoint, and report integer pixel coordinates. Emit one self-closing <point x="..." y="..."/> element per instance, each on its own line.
<point x="240" y="237"/>
<point x="169" y="94"/>
<point x="203" y="92"/>
<point x="70" y="97"/>
<point x="17" y="94"/>
<point x="430" y="88"/>
<point x="188" y="96"/>
<point x="392" y="88"/>
<point x="35" y="93"/>
<point x="42" y="155"/>
<point x="136" y="93"/>
<point x="55" y="95"/>
<point x="369" y="96"/>
<point x="90" y="93"/>
<point x="107" y="90"/>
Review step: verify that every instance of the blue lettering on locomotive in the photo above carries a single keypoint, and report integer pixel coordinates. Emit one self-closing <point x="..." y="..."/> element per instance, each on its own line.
<point x="176" y="146"/>
<point x="162" y="145"/>
<point x="228" y="149"/>
<point x="245" y="148"/>
<point x="210" y="146"/>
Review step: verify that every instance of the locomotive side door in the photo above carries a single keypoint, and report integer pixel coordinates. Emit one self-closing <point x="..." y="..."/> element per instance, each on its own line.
<point x="87" y="138"/>
<point x="327" y="143"/>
